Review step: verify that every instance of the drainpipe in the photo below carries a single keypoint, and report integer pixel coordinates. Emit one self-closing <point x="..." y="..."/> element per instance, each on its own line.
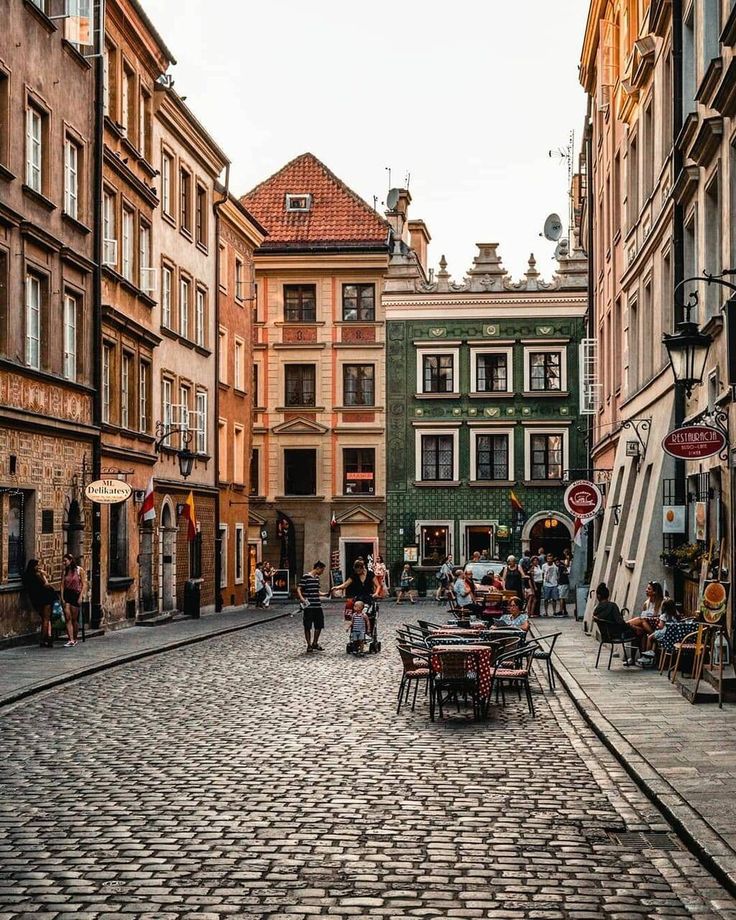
<point x="216" y="205"/>
<point x="96" y="581"/>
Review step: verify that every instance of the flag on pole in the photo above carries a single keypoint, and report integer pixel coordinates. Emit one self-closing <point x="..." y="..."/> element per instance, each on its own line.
<point x="333" y="521"/>
<point x="148" y="509"/>
<point x="516" y="503"/>
<point x="577" y="537"/>
<point x="188" y="513"/>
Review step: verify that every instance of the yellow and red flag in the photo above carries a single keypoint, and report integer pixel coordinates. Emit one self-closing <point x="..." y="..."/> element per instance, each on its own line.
<point x="515" y="502"/>
<point x="191" y="518"/>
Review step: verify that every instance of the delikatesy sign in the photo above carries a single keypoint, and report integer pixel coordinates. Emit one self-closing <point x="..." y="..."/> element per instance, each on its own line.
<point x="108" y="491"/>
<point x="583" y="499"/>
<point x="693" y="442"/>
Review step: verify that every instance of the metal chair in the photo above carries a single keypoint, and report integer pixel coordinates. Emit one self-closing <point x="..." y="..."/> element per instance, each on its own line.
<point x="412" y="674"/>
<point x="515" y="668"/>
<point x="545" y="655"/>
<point x="455" y="677"/>
<point x="611" y="635"/>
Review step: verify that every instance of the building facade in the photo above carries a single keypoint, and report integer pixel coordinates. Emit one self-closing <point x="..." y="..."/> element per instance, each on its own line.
<point x="630" y="222"/>
<point x="47" y="430"/>
<point x="483" y="399"/>
<point x="238" y="235"/>
<point x="318" y="439"/>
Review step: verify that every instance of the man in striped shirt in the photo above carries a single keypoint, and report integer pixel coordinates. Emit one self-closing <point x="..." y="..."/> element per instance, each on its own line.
<point x="310" y="596"/>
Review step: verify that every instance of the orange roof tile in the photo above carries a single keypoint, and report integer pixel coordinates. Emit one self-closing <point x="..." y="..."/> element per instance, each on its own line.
<point x="337" y="218"/>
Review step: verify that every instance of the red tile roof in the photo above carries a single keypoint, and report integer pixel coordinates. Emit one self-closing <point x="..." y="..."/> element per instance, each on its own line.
<point x="338" y="218"/>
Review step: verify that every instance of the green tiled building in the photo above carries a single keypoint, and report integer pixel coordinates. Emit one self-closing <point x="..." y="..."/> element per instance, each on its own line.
<point x="483" y="397"/>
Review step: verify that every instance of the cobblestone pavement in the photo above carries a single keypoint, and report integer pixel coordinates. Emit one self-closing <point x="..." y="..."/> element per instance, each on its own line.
<point x="241" y="777"/>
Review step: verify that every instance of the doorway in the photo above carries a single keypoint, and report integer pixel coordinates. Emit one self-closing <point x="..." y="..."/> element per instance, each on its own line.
<point x="74" y="530"/>
<point x="551" y="535"/>
<point x="479" y="539"/>
<point x="168" y="558"/>
<point x="353" y="549"/>
<point x="145" y="568"/>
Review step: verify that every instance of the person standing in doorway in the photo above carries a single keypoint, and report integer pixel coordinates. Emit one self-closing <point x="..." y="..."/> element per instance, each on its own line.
<point x="310" y="597"/>
<point x="74" y="584"/>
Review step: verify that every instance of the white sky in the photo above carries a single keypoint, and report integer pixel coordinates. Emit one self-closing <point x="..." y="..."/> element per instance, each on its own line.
<point x="467" y="96"/>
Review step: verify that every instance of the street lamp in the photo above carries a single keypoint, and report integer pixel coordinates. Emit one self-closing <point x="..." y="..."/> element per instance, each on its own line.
<point x="186" y="462"/>
<point x="185" y="456"/>
<point x="687" y="349"/>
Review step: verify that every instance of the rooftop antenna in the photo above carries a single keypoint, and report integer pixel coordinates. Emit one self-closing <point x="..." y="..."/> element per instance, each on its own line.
<point x="388" y="170"/>
<point x="407" y="180"/>
<point x="566" y="153"/>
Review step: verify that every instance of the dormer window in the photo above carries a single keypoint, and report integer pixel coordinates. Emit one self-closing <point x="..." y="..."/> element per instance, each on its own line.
<point x="298" y="202"/>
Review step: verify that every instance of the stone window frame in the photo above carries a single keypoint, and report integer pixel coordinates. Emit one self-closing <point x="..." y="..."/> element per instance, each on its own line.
<point x="492" y="430"/>
<point x="542" y="348"/>
<point x="428" y="351"/>
<point x="546" y="430"/>
<point x="437" y="430"/>
<point x="475" y="352"/>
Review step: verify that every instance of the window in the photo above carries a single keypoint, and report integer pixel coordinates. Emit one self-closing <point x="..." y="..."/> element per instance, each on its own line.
<point x="300" y="303"/>
<point x="167" y="278"/>
<point x="544" y="371"/>
<point x="632" y="166"/>
<point x="712" y="252"/>
<point x="184" y="308"/>
<point x="300" y="389"/>
<point x="109" y="230"/>
<point x="437" y="373"/>
<point x="359" y="471"/>
<point x="359" y="302"/>
<point x="491" y="457"/>
<point x="16" y="534"/>
<point x="34" y="149"/>
<point x="108" y="67"/>
<point x="223" y="555"/>
<point x="434" y="544"/>
<point x="358" y="385"/>
<point x="144" y="115"/>
<point x="222" y="280"/>
<point x="201" y="216"/>
<point x="200" y="313"/>
<point x="167" y="178"/>
<point x="144" y="396"/>
<point x="127" y="109"/>
<point x="78" y="25"/>
<point x="4" y="117"/>
<point x="239" y="369"/>
<point x="239" y="280"/>
<point x="33" y="321"/>
<point x="254" y="477"/>
<point x="117" y="560"/>
<point x="201" y="426"/>
<point x="106" y="373"/>
<point x="71" y="178"/>
<point x="166" y="403"/>
<point x="128" y="234"/>
<point x="185" y="200"/>
<point x="222" y="450"/>
<point x="239" y="553"/>
<point x="70" y="337"/>
<point x="648" y="153"/>
<point x="146" y="273"/>
<point x="238" y="454"/>
<point x="490" y="371"/>
<point x="300" y="472"/>
<point x="126" y="392"/>
<point x="222" y="355"/>
<point x="688" y="63"/>
<point x="184" y="410"/>
<point x="255" y="386"/>
<point x="546" y="456"/>
<point x="298" y="202"/>
<point x="437" y="457"/>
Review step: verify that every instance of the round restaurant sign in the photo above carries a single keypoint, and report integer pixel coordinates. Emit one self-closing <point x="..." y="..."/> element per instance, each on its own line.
<point x="583" y="499"/>
<point x="108" y="491"/>
<point x="693" y="442"/>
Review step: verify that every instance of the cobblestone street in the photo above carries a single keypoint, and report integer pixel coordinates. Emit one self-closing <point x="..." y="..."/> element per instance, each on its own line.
<point x="242" y="777"/>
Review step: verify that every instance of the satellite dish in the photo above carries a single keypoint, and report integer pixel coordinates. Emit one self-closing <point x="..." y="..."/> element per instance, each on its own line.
<point x="553" y="228"/>
<point x="392" y="198"/>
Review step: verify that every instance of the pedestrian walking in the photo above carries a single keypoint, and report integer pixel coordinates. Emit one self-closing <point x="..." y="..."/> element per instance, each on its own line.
<point x="310" y="596"/>
<point x="260" y="585"/>
<point x="550" y="585"/>
<point x="42" y="597"/>
<point x="563" y="585"/>
<point x="513" y="578"/>
<point x="361" y="584"/>
<point x="267" y="583"/>
<point x="73" y="586"/>
<point x="380" y="570"/>
<point x="405" y="582"/>
<point x="444" y="575"/>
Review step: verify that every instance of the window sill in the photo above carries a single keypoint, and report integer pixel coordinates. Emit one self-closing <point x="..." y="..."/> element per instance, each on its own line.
<point x="543" y="483"/>
<point x="14" y="586"/>
<point x="239" y="391"/>
<point x="491" y="483"/>
<point x="202" y="350"/>
<point x="437" y="483"/>
<point x="132" y="288"/>
<point x="74" y="52"/>
<point x="119" y="583"/>
<point x="202" y="247"/>
<point x="169" y="218"/>
<point x="299" y="498"/>
<point x="356" y="496"/>
<point x="39" y="198"/>
<point x="131" y="149"/>
<point x="299" y="409"/>
<point x="372" y="407"/>
<point x="44" y="20"/>
<point x="452" y="395"/>
<point x="6" y="174"/>
<point x="114" y="127"/>
<point x="148" y="167"/>
<point x="546" y="394"/>
<point x="358" y="322"/>
<point x="298" y="322"/>
<point x="492" y="394"/>
<point x="186" y="233"/>
<point x="74" y="222"/>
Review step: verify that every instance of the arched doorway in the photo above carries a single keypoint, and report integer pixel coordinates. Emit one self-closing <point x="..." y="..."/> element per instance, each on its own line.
<point x="548" y="530"/>
<point x="168" y="556"/>
<point x="145" y="568"/>
<point x="74" y="530"/>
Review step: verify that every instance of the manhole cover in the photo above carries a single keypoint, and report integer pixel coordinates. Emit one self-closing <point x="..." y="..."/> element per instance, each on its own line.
<point x="641" y="840"/>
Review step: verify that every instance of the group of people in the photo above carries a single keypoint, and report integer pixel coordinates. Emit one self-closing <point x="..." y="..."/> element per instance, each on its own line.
<point x="263" y="584"/>
<point x="648" y="628"/>
<point x="541" y="582"/>
<point x="44" y="596"/>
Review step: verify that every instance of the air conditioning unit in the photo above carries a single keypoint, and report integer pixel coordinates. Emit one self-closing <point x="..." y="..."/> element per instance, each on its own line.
<point x="110" y="252"/>
<point x="148" y="280"/>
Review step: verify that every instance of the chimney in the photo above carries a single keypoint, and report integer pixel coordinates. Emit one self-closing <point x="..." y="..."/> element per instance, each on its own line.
<point x="398" y="214"/>
<point x="419" y="239"/>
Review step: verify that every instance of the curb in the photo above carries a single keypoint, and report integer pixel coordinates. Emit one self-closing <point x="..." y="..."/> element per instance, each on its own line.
<point x="70" y="676"/>
<point x="703" y="841"/>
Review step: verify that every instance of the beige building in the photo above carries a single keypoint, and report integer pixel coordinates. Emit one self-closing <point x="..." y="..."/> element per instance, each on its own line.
<point x="317" y="473"/>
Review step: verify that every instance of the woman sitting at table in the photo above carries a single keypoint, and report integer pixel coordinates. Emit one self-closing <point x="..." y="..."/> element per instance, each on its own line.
<point x="650" y="613"/>
<point x="463" y="590"/>
<point x="516" y="616"/>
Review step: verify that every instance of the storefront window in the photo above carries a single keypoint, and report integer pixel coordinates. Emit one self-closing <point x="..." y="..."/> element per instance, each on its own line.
<point x="434" y="544"/>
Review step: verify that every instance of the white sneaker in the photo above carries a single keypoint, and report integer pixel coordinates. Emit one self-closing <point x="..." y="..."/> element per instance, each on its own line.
<point x="70" y="644"/>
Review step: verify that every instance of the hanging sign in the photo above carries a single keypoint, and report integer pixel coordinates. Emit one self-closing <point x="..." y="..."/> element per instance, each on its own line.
<point x="693" y="442"/>
<point x="583" y="499"/>
<point x="673" y="519"/>
<point x="108" y="491"/>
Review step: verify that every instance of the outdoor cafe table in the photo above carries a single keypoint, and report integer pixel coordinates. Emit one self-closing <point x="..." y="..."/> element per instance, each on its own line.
<point x="482" y="653"/>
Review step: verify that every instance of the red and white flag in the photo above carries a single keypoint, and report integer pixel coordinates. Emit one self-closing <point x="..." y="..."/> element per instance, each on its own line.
<point x="578" y="532"/>
<point x="148" y="509"/>
<point x="333" y="521"/>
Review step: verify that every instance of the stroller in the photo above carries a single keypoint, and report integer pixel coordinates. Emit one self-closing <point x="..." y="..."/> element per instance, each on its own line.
<point x="372" y="643"/>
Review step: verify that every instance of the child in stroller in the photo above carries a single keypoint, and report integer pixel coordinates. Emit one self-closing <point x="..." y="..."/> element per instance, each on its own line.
<point x="361" y="622"/>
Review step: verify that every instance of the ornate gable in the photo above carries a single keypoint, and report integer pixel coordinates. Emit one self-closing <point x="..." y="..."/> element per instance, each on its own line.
<point x="359" y="514"/>
<point x="299" y="425"/>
